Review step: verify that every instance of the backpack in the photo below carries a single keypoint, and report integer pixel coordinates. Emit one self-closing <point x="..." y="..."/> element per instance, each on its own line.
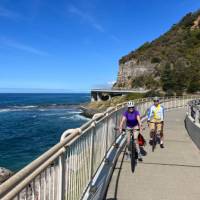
<point x="141" y="140"/>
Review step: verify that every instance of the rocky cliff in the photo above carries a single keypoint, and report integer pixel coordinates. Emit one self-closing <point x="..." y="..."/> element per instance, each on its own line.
<point x="130" y="70"/>
<point x="170" y="62"/>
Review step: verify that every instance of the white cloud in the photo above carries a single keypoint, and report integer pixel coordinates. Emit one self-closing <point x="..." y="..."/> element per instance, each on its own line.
<point x="86" y="17"/>
<point x="23" y="47"/>
<point x="107" y="85"/>
<point x="8" y="13"/>
<point x="115" y="38"/>
<point x="111" y="82"/>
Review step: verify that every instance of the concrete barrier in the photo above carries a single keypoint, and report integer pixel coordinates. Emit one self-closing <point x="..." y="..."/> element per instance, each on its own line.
<point x="193" y="130"/>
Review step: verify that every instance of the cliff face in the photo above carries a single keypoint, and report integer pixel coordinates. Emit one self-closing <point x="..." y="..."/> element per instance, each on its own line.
<point x="196" y="24"/>
<point x="168" y="61"/>
<point x="130" y="70"/>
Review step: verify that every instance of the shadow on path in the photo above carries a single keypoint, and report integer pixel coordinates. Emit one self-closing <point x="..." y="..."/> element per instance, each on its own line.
<point x="170" y="164"/>
<point x="118" y="175"/>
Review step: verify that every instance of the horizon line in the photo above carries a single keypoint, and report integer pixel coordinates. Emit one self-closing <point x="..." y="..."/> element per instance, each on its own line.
<point x="42" y="90"/>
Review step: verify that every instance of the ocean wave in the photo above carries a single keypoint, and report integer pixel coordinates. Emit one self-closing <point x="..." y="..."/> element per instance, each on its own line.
<point x="11" y="110"/>
<point x="17" y="108"/>
<point x="72" y="109"/>
<point x="74" y="112"/>
<point x="5" y="110"/>
<point x="25" y="107"/>
<point x="76" y="117"/>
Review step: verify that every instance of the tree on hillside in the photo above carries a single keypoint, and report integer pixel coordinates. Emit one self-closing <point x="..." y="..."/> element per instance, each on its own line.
<point x="167" y="78"/>
<point x="194" y="82"/>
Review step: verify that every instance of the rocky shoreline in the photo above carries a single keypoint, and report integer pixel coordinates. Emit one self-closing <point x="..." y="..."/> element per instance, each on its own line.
<point x="89" y="113"/>
<point x="5" y="174"/>
<point x="91" y="108"/>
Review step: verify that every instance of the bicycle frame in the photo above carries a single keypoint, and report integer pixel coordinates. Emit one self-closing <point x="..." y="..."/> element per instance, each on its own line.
<point x="132" y="149"/>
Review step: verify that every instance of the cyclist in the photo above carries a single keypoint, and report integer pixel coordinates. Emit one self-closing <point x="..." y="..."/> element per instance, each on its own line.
<point x="131" y="119"/>
<point x="156" y="118"/>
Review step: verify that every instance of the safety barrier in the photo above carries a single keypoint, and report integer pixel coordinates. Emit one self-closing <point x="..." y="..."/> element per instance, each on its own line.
<point x="80" y="165"/>
<point x="192" y="121"/>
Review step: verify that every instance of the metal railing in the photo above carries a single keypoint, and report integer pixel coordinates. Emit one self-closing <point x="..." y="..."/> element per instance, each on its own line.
<point x="67" y="171"/>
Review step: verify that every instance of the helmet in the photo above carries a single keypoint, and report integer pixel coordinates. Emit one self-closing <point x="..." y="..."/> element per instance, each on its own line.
<point x="130" y="104"/>
<point x="156" y="99"/>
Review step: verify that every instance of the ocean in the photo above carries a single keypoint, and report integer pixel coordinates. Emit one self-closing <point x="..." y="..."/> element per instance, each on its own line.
<point x="32" y="123"/>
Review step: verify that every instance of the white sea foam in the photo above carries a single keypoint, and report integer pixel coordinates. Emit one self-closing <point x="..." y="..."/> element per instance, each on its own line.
<point x="25" y="107"/>
<point x="42" y="110"/>
<point x="64" y="117"/>
<point x="75" y="117"/>
<point x="11" y="110"/>
<point x="80" y="117"/>
<point x="74" y="112"/>
<point x="30" y="106"/>
<point x="5" y="110"/>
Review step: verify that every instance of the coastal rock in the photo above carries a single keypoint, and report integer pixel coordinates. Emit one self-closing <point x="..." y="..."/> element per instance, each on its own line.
<point x="89" y="113"/>
<point x="4" y="174"/>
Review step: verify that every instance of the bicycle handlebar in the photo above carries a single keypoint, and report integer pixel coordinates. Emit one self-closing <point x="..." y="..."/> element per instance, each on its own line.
<point x="126" y="129"/>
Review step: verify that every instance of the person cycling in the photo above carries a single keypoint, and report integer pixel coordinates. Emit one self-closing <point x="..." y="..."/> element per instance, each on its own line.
<point x="155" y="120"/>
<point x="131" y="119"/>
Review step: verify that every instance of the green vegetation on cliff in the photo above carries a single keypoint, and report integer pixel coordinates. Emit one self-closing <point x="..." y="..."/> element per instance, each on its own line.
<point x="176" y="56"/>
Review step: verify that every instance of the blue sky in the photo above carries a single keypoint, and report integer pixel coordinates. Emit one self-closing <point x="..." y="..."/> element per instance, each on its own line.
<point x="75" y="45"/>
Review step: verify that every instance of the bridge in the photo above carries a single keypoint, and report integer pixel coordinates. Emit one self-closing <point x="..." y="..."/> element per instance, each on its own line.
<point x="89" y="163"/>
<point x="107" y="94"/>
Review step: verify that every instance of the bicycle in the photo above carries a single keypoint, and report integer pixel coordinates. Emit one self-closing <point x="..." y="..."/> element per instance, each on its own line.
<point x="154" y="136"/>
<point x="132" y="148"/>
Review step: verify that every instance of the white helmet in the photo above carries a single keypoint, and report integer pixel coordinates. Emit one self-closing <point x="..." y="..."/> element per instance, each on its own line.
<point x="156" y="99"/>
<point x="130" y="104"/>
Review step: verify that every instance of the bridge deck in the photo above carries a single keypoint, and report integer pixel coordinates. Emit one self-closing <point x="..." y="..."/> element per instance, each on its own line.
<point x="172" y="173"/>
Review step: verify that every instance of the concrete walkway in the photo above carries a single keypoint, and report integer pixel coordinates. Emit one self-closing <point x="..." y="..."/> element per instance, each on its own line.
<point x="172" y="173"/>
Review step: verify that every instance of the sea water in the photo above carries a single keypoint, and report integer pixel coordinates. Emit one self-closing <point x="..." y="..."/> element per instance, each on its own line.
<point x="30" y="124"/>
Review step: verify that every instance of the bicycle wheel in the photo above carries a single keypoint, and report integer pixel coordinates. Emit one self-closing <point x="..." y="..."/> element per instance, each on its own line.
<point x="154" y="142"/>
<point x="133" y="154"/>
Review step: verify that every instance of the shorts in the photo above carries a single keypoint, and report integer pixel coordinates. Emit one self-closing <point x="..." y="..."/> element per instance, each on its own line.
<point x="136" y="132"/>
<point x="155" y="124"/>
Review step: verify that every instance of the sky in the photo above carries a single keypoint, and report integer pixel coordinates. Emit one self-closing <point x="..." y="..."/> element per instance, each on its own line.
<point x="75" y="45"/>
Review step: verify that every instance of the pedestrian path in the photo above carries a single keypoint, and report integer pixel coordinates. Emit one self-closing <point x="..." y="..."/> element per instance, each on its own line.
<point x="172" y="173"/>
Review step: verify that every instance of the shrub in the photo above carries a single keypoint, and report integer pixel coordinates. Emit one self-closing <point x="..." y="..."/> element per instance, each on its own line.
<point x="155" y="60"/>
<point x="152" y="93"/>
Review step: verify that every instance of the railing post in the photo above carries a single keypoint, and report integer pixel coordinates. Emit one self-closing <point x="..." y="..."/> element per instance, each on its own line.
<point x="116" y="118"/>
<point x="182" y="101"/>
<point x="106" y="132"/>
<point x="175" y="102"/>
<point x="92" y="151"/>
<point x="142" y="108"/>
<point x="197" y="116"/>
<point x="188" y="110"/>
<point x="61" y="190"/>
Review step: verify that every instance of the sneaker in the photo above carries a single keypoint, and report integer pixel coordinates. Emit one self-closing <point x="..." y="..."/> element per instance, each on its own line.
<point x="127" y="156"/>
<point x="140" y="159"/>
<point x="162" y="146"/>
